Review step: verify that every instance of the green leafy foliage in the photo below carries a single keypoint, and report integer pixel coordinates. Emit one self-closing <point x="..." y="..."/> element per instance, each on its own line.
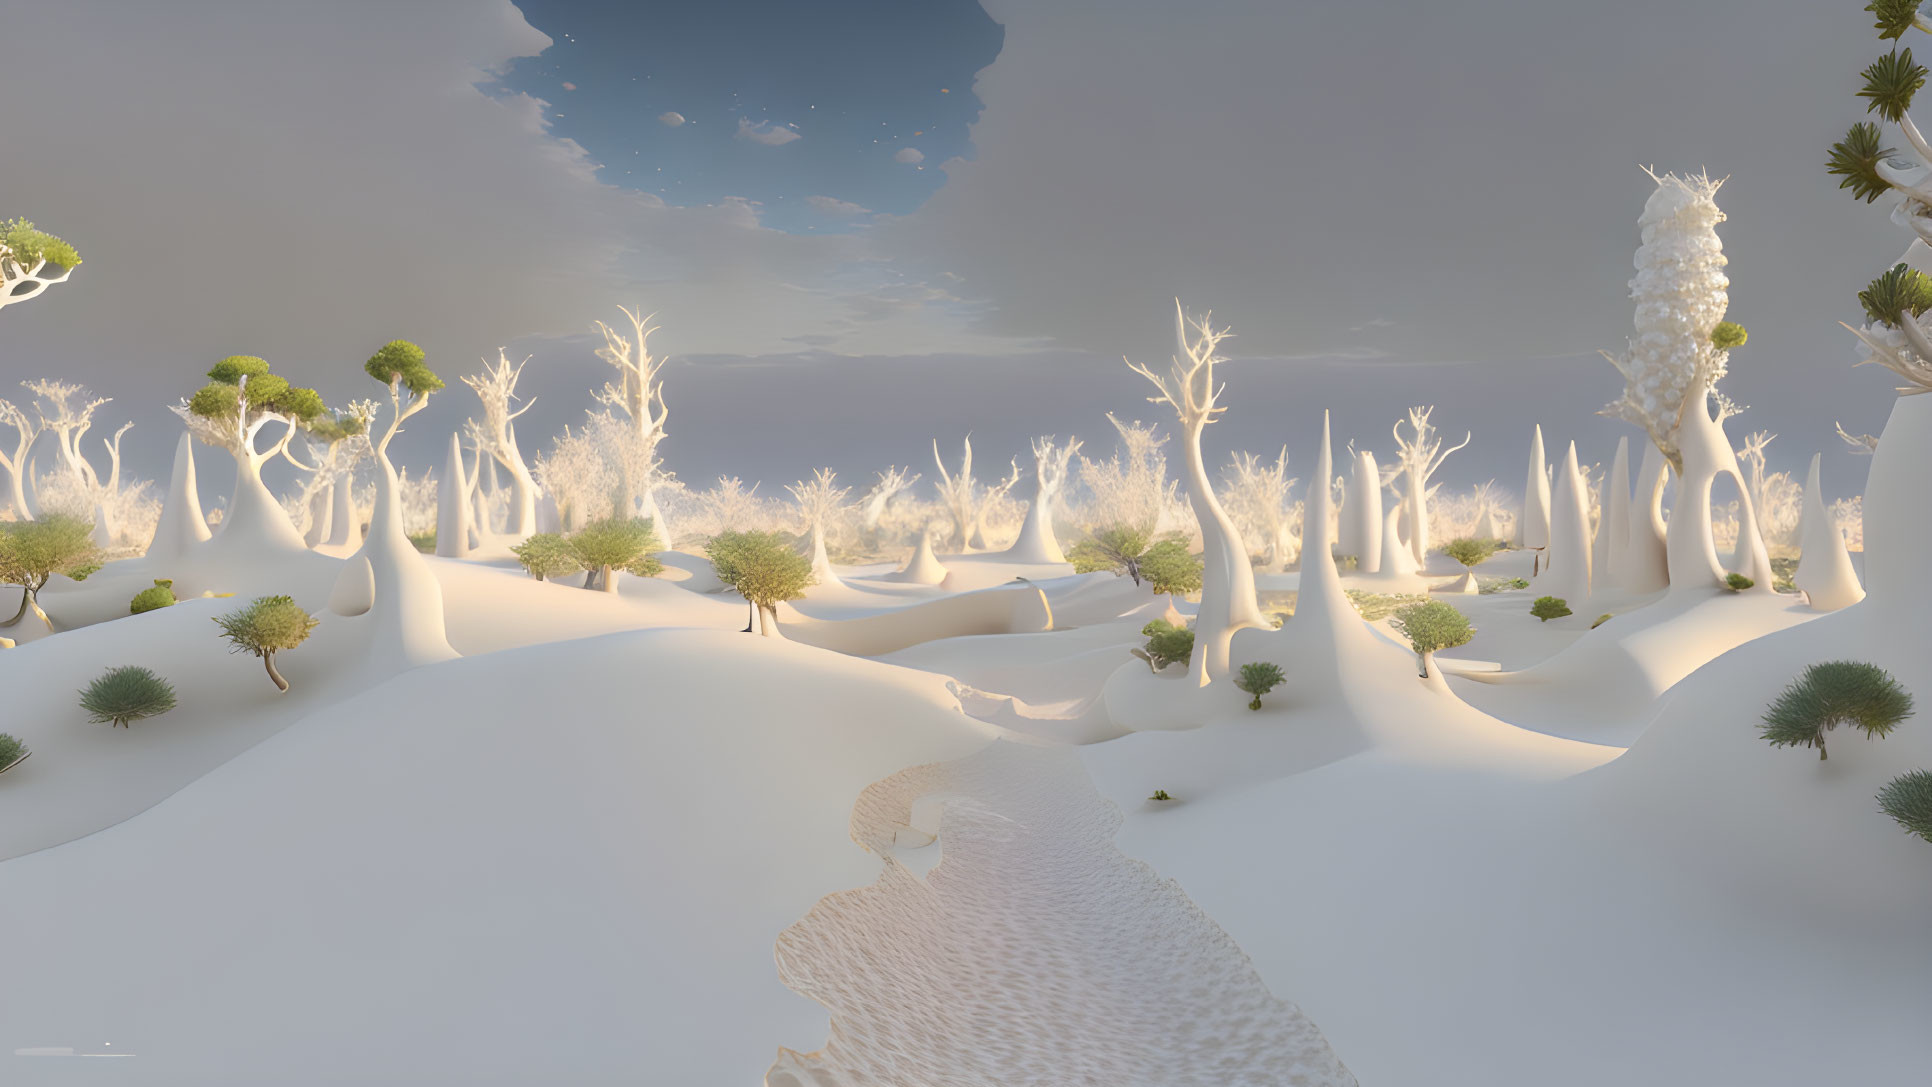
<point x="1115" y="549"/>
<point x="32" y="552"/>
<point x="231" y="370"/>
<point x="1728" y="334"/>
<point x="1737" y="582"/>
<point x="1906" y="798"/>
<point x="265" y="391"/>
<point x="1470" y="551"/>
<point x="268" y="624"/>
<point x="423" y="541"/>
<point x="1258" y="678"/>
<point x="1373" y="606"/>
<point x="29" y="245"/>
<point x="215" y="401"/>
<point x="763" y="566"/>
<point x="401" y="362"/>
<point x="1547" y="608"/>
<point x="1169" y="568"/>
<point x="11" y="751"/>
<point x="545" y="555"/>
<point x="1894" y="17"/>
<point x="1432" y="625"/>
<point x="1899" y="291"/>
<point x="1832" y="693"/>
<point x="1160" y="794"/>
<point x="127" y="694"/>
<point x="155" y="597"/>
<point x="1600" y="620"/>
<point x="1890" y="83"/>
<point x="616" y="542"/>
<point x="1166" y="644"/>
<point x="1855" y="160"/>
<point x="335" y="428"/>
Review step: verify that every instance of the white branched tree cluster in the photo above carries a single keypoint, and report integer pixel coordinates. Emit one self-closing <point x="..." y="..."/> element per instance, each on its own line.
<point x="820" y="502"/>
<point x="495" y="436"/>
<point x="890" y="489"/>
<point x="1131" y="489"/>
<point x="638" y="394"/>
<point x="965" y="498"/>
<point x="1258" y="494"/>
<point x="1418" y="456"/>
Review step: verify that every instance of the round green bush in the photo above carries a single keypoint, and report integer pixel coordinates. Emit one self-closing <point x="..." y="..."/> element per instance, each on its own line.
<point x="1258" y="678"/>
<point x="11" y="751"/>
<point x="126" y="694"/>
<point x="1737" y="583"/>
<point x="1166" y="644"/>
<point x="1832" y="693"/>
<point x="1907" y="799"/>
<point x="1547" y="608"/>
<point x="161" y="595"/>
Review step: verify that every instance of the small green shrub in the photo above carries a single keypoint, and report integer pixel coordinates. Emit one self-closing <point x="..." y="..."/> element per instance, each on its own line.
<point x="1430" y="626"/>
<point x="1160" y="794"/>
<point x="127" y="694"/>
<point x="424" y="541"/>
<point x="11" y="752"/>
<point x="1832" y="693"/>
<point x="1547" y="608"/>
<point x="1469" y="551"/>
<point x="268" y="625"/>
<point x="612" y="544"/>
<point x="1601" y="619"/>
<point x="545" y="555"/>
<point x="1906" y="798"/>
<point x="1737" y="583"/>
<point x="1114" y="549"/>
<point x="1166" y="644"/>
<point x="160" y="595"/>
<point x="1169" y="568"/>
<point x="1257" y="679"/>
<point x="1784" y="569"/>
<point x="1728" y="334"/>
<point x="1519" y="583"/>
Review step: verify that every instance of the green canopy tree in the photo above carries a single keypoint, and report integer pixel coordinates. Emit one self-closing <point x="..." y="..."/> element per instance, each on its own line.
<point x="267" y="626"/>
<point x="243" y="398"/>
<point x="32" y="552"/>
<point x="612" y="545"/>
<point x="26" y="255"/>
<point x="764" y="568"/>
<point x="1431" y="626"/>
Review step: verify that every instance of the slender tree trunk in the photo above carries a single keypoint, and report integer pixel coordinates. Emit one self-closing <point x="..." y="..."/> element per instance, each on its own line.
<point x="21" y="511"/>
<point x="768" y="620"/>
<point x="609" y="578"/>
<point x="590" y="578"/>
<point x="268" y="662"/>
<point x="751" y="616"/>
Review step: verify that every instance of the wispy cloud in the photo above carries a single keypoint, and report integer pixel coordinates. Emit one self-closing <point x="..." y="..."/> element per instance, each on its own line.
<point x="911" y="156"/>
<point x="836" y="208"/>
<point x="768" y="133"/>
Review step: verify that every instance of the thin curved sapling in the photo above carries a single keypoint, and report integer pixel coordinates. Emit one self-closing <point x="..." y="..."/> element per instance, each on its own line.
<point x="121" y="696"/>
<point x="1832" y="693"/>
<point x="1258" y="678"/>
<point x="267" y="626"/>
<point x="1432" y="626"/>
<point x="26" y="254"/>
<point x="764" y="568"/>
<point x="32" y="552"/>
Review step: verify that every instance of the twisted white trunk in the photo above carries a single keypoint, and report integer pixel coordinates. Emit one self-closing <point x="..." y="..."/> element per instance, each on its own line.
<point x="1228" y="601"/>
<point x="1691" y="549"/>
<point x="1645" y="566"/>
<point x="345" y="526"/>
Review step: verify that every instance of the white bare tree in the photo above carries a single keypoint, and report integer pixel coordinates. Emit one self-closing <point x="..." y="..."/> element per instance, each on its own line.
<point x="890" y="485"/>
<point x="1259" y="498"/>
<point x="496" y="389"/>
<point x="963" y="496"/>
<point x="577" y="477"/>
<point x="638" y="393"/>
<point x="25" y="428"/>
<point x="820" y="500"/>
<point x="1131" y="489"/>
<point x="1228" y="600"/>
<point x="1037" y="542"/>
<point x="1419" y="455"/>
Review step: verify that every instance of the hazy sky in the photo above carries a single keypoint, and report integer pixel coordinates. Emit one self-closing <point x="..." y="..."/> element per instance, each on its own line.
<point x="1390" y="204"/>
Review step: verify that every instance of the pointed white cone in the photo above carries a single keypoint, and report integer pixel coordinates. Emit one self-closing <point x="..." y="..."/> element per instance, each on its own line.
<point x="1533" y="528"/>
<point x="453" y="506"/>
<point x="1613" y="521"/>
<point x="1567" y="572"/>
<point x="182" y="525"/>
<point x="1824" y="567"/>
<point x="924" y="568"/>
<point x="1645" y="558"/>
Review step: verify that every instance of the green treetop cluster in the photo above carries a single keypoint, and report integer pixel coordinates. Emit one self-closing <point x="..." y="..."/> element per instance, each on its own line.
<point x="239" y="376"/>
<point x="27" y="245"/>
